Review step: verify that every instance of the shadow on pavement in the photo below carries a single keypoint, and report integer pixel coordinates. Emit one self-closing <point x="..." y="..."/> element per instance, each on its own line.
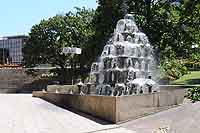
<point x="88" y="116"/>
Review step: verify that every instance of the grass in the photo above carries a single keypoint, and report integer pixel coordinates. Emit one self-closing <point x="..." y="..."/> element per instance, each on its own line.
<point x="190" y="79"/>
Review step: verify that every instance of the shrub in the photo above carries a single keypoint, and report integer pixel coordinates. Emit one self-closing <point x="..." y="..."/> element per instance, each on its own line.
<point x="193" y="62"/>
<point x="173" y="69"/>
<point x="193" y="94"/>
<point x="195" y="57"/>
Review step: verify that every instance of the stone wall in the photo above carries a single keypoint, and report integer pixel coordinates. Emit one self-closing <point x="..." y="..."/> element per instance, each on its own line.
<point x="16" y="80"/>
<point x="116" y="109"/>
<point x="129" y="107"/>
<point x="10" y="80"/>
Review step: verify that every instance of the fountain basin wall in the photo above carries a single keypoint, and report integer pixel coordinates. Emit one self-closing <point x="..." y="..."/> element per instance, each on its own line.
<point x="62" y="88"/>
<point x="100" y="106"/>
<point x="67" y="88"/>
<point x="116" y="109"/>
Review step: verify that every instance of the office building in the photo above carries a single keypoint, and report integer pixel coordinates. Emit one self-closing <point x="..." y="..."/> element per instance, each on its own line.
<point x="11" y="49"/>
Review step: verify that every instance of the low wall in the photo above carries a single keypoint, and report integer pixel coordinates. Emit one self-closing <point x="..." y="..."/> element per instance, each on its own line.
<point x="68" y="89"/>
<point x="62" y="88"/>
<point x="17" y="81"/>
<point x="116" y="109"/>
<point x="130" y="107"/>
<point x="100" y="106"/>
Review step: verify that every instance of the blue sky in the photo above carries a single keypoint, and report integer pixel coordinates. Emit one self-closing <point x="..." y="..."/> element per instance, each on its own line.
<point x="18" y="16"/>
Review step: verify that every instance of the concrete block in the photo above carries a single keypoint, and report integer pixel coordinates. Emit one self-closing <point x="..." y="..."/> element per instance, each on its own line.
<point x="116" y="109"/>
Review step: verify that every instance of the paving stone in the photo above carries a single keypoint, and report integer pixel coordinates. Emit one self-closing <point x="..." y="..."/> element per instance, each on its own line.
<point x="116" y="130"/>
<point x="21" y="113"/>
<point x="182" y="119"/>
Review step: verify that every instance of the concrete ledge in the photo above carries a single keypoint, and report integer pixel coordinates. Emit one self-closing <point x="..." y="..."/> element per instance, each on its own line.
<point x="116" y="109"/>
<point x="164" y="87"/>
<point x="62" y="88"/>
<point x="68" y="89"/>
<point x="102" y="107"/>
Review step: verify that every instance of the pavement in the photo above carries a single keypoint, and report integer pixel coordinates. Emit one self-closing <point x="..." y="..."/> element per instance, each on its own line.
<point x="182" y="119"/>
<point x="21" y="113"/>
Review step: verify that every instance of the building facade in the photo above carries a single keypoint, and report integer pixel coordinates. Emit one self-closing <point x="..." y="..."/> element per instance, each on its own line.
<point x="11" y="49"/>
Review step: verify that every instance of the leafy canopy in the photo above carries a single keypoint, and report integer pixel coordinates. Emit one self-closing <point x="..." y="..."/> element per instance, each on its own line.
<point x="47" y="38"/>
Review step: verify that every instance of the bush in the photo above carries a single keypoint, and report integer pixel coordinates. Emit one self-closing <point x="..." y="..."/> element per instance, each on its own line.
<point x="193" y="94"/>
<point x="173" y="69"/>
<point x="195" y="57"/>
<point x="193" y="62"/>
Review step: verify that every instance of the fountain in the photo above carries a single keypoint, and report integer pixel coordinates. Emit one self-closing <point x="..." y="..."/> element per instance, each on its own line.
<point x="123" y="79"/>
<point x="125" y="65"/>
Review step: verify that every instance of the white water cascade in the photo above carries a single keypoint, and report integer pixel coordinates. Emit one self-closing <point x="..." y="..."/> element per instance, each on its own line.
<point x="125" y="65"/>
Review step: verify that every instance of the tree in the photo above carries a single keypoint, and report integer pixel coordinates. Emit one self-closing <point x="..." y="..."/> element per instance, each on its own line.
<point x="167" y="24"/>
<point x="47" y="39"/>
<point x="106" y="16"/>
<point x="172" y="27"/>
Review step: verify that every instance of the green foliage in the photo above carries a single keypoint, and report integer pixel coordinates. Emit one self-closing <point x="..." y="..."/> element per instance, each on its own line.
<point x="106" y="16"/>
<point x="173" y="69"/>
<point x="193" y="77"/>
<point x="195" y="57"/>
<point x="47" y="39"/>
<point x="171" y="28"/>
<point x="193" y="94"/>
<point x="193" y="62"/>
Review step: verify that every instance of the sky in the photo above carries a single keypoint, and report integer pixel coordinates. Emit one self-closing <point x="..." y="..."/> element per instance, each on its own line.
<point x="18" y="16"/>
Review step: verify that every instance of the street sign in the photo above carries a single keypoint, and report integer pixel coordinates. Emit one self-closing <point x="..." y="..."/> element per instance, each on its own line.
<point x="71" y="50"/>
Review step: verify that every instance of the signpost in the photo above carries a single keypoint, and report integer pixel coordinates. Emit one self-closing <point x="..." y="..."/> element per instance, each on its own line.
<point x="72" y="50"/>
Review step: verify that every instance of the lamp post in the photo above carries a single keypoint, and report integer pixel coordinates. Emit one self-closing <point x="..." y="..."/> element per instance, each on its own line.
<point x="72" y="65"/>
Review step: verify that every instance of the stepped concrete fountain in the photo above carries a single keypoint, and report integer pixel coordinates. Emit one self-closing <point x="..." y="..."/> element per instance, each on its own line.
<point x="124" y="85"/>
<point x="125" y="65"/>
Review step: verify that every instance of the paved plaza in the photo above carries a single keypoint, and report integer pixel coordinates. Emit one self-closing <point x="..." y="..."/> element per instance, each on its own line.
<point x="21" y="113"/>
<point x="182" y="119"/>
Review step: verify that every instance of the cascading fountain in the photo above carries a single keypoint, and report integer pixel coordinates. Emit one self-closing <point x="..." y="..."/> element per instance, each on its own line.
<point x="125" y="66"/>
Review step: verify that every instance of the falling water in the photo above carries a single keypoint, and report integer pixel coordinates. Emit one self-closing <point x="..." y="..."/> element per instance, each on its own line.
<point x="125" y="65"/>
